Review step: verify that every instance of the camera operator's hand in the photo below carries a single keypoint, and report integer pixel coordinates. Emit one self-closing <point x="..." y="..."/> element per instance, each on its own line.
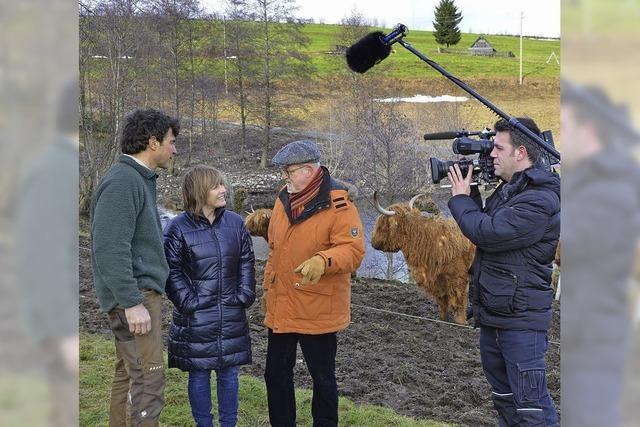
<point x="459" y="184"/>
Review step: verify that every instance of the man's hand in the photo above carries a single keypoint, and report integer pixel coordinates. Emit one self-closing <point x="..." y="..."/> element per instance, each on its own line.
<point x="138" y="319"/>
<point x="311" y="270"/>
<point x="459" y="185"/>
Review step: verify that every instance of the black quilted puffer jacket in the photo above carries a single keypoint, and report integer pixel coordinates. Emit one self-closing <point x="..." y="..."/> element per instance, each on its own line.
<point x="211" y="283"/>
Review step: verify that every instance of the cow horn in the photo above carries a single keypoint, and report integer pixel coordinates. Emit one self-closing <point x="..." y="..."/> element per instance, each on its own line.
<point x="413" y="200"/>
<point x="379" y="208"/>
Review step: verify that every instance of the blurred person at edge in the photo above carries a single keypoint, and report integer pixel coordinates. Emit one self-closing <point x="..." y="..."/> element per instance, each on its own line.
<point x="516" y="235"/>
<point x="211" y="284"/>
<point x="315" y="243"/>
<point x="601" y="225"/>
<point x="129" y="265"/>
<point x="47" y="257"/>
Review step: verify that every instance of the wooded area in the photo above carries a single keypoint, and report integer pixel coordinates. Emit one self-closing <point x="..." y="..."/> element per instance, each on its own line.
<point x="250" y="61"/>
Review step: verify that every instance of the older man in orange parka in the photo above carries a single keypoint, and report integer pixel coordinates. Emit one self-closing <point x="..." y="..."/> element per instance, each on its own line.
<point x="315" y="243"/>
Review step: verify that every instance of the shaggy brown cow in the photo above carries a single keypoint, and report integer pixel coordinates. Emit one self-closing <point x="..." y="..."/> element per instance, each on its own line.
<point x="257" y="223"/>
<point x="437" y="253"/>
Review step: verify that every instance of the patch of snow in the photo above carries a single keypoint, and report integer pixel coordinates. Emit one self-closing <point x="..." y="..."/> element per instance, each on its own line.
<point x="424" y="99"/>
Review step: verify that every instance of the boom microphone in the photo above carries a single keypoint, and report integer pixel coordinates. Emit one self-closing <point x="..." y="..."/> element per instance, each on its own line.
<point x="367" y="52"/>
<point x="373" y="48"/>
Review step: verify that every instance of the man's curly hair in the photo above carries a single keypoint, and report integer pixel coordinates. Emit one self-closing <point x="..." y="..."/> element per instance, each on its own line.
<point x="140" y="125"/>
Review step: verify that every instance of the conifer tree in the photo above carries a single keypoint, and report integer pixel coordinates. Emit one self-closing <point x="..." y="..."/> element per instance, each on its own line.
<point x="446" y="24"/>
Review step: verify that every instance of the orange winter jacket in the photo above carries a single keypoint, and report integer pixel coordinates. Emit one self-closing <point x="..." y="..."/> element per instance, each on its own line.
<point x="330" y="227"/>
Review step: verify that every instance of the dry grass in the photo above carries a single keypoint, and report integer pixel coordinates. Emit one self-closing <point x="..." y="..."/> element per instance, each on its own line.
<point x="537" y="98"/>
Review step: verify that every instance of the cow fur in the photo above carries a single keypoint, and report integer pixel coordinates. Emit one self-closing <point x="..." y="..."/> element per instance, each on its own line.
<point x="257" y="223"/>
<point x="438" y="255"/>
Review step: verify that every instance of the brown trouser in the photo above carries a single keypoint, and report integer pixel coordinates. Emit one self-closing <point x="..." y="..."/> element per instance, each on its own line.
<point x="139" y="374"/>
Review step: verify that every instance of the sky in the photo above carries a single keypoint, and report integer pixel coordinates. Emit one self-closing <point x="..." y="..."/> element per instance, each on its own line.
<point x="541" y="17"/>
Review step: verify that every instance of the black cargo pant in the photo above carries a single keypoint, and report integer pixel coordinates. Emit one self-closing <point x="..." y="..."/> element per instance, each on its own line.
<point x="320" y="355"/>
<point x="139" y="371"/>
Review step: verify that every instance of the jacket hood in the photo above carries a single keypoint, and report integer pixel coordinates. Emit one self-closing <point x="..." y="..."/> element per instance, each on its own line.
<point x="543" y="178"/>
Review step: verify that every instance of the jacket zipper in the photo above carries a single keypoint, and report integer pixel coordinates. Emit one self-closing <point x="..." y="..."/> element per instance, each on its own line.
<point x="219" y="294"/>
<point x="504" y="272"/>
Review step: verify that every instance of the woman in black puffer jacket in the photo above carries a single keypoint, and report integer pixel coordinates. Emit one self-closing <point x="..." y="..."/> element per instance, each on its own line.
<point x="211" y="283"/>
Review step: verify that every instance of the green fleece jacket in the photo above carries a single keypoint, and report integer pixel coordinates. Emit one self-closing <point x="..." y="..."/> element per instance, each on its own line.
<point x="127" y="248"/>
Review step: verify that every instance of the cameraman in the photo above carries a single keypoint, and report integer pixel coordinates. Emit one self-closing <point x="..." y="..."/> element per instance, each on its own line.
<point x="516" y="234"/>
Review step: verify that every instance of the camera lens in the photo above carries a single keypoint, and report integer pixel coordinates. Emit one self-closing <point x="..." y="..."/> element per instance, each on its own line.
<point x="440" y="168"/>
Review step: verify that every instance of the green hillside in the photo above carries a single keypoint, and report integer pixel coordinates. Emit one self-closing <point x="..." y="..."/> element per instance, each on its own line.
<point x="323" y="39"/>
<point x="402" y="63"/>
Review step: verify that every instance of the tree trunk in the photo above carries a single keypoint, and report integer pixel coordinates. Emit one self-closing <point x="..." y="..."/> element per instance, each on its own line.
<point x="176" y="63"/>
<point x="389" y="274"/>
<point x="243" y="101"/>
<point x="203" y="111"/>
<point x="193" y="93"/>
<point x="266" y="139"/>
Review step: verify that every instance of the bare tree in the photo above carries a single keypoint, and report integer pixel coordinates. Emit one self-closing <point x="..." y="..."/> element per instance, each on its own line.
<point x="192" y="86"/>
<point x="280" y="42"/>
<point x="207" y="82"/>
<point x="174" y="24"/>
<point x="209" y="88"/>
<point x="145" y="64"/>
<point x="353" y="28"/>
<point x="378" y="148"/>
<point x="107" y="44"/>
<point x="241" y="33"/>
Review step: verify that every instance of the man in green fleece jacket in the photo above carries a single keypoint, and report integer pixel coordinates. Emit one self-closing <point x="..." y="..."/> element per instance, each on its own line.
<point x="129" y="266"/>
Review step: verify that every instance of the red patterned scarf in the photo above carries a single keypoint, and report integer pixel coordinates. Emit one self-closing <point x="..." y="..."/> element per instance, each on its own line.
<point x="298" y="200"/>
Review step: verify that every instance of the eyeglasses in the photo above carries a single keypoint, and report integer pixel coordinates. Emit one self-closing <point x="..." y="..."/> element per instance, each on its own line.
<point x="288" y="172"/>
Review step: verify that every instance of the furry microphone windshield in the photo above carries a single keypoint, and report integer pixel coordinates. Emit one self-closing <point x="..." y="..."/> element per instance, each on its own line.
<point x="367" y="52"/>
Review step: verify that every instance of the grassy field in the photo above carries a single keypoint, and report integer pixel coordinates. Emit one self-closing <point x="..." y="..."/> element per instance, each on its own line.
<point x="405" y="64"/>
<point x="323" y="39"/>
<point x="96" y="367"/>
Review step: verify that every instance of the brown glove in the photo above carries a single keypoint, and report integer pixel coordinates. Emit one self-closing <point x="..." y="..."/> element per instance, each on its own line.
<point x="312" y="269"/>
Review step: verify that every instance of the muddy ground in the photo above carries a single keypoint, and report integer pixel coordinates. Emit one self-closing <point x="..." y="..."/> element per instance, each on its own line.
<point x="416" y="367"/>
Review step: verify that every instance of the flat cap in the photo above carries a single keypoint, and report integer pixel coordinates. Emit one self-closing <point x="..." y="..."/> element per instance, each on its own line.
<point x="297" y="152"/>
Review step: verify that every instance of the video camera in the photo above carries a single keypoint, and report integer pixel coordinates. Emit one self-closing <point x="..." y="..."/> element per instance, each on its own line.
<point x="482" y="166"/>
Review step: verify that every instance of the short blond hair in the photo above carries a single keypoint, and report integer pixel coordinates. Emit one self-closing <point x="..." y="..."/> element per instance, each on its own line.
<point x="197" y="183"/>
